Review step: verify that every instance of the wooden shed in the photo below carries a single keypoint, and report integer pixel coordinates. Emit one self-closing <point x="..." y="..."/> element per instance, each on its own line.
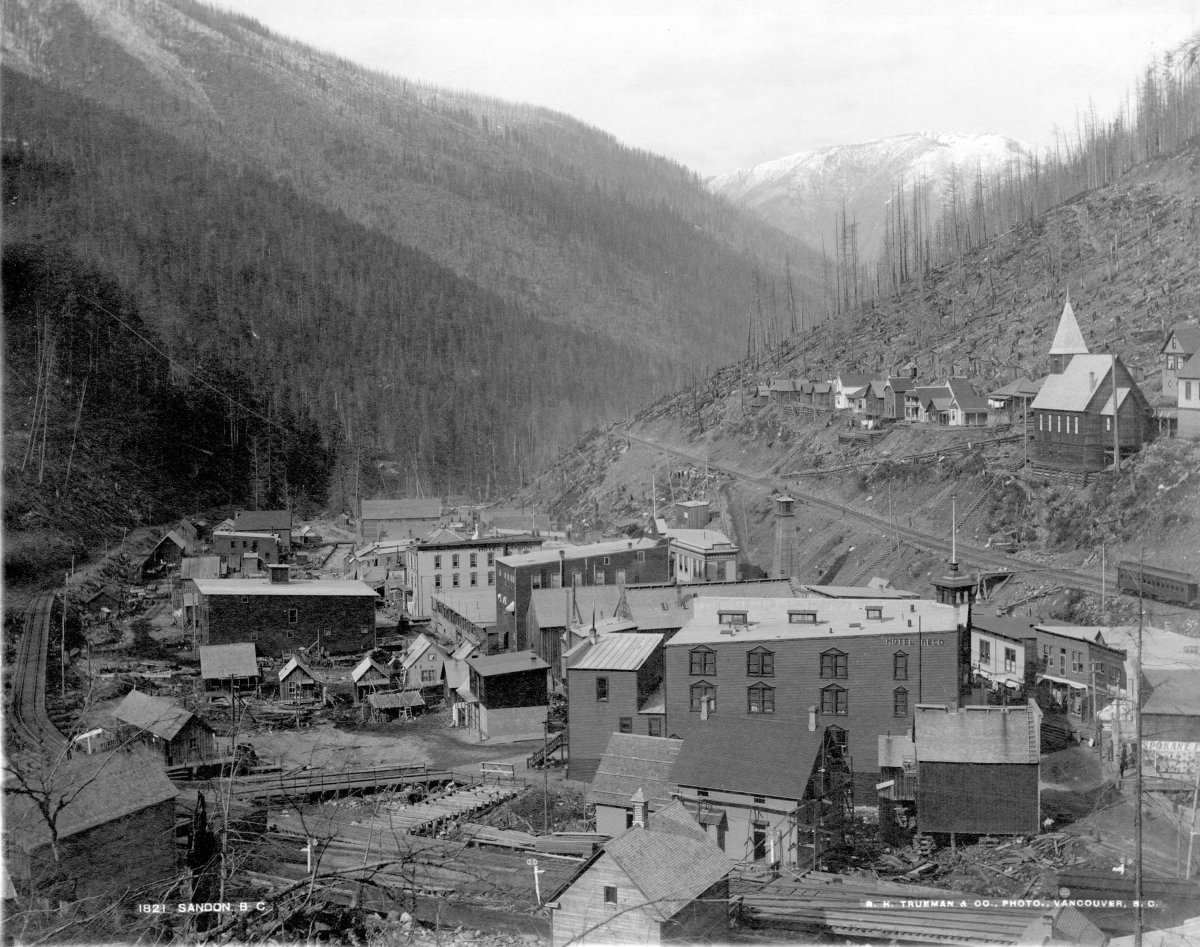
<point x="664" y="881"/>
<point x="228" y="667"/>
<point x="176" y="735"/>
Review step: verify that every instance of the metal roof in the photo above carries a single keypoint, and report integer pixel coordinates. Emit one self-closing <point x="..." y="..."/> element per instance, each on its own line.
<point x="334" y="588"/>
<point x="704" y="540"/>
<point x="490" y="665"/>
<point x="228" y="660"/>
<point x="1068" y="340"/>
<point x="978" y="734"/>
<point x="574" y="553"/>
<point x="618" y="652"/>
<point x="1172" y="692"/>
<point x="1074" y="388"/>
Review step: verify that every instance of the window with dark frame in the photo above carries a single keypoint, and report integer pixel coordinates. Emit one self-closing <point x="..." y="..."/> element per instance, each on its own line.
<point x="760" y="663"/>
<point x="654" y="727"/>
<point x="834" y="664"/>
<point x="874" y="613"/>
<point x="900" y="702"/>
<point x="760" y="699"/>
<point x="834" y="700"/>
<point x="602" y="688"/>
<point x="610" y="891"/>
<point x="700" y="692"/>
<point x="900" y="666"/>
<point x="626" y="725"/>
<point x="702" y="661"/>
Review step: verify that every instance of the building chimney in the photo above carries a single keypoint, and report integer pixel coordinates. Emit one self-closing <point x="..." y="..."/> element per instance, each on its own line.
<point x="812" y="718"/>
<point x="278" y="573"/>
<point x="641" y="812"/>
<point x="785" y="539"/>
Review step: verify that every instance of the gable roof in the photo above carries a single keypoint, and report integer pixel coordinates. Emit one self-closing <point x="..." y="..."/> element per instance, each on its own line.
<point x="1018" y="388"/>
<point x="777" y="762"/>
<point x="1068" y="340"/>
<point x="1191" y="368"/>
<point x="415" y="651"/>
<point x="228" y="660"/>
<point x="632" y="762"/>
<point x="1187" y="335"/>
<point x="163" y="718"/>
<point x="267" y="520"/>
<point x="671" y="862"/>
<point x="100" y="788"/>
<point x="1073" y="389"/>
<point x="174" y="538"/>
<point x="365" y="665"/>
<point x="618" y="652"/>
<point x="853" y="380"/>
<point x="978" y="734"/>
<point x="969" y="401"/>
<point x="901" y="383"/>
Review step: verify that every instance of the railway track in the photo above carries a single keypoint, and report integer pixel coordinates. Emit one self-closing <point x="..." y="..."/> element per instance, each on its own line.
<point x="27" y="714"/>
<point x="914" y="537"/>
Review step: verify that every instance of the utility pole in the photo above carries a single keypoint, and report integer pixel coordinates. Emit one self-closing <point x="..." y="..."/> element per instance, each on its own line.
<point x="1137" y="723"/>
<point x="546" y="774"/>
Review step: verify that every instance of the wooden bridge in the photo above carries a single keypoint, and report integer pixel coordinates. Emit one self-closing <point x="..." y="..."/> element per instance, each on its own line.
<point x="321" y="782"/>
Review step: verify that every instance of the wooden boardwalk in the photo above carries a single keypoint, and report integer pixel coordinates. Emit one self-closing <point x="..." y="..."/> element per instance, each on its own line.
<point x="320" y="782"/>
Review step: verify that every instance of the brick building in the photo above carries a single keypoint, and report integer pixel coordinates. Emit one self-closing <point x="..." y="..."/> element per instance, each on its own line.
<point x="702" y="555"/>
<point x="279" y="615"/>
<point x="859" y="665"/>
<point x="618" y="562"/>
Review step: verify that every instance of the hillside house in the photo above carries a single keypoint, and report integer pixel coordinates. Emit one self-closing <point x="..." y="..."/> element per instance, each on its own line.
<point x="786" y="391"/>
<point x="919" y="402"/>
<point x="307" y="537"/>
<point x="894" y="390"/>
<point x="1073" y="415"/>
<point x="301" y="682"/>
<point x="702" y="555"/>
<point x="397" y="519"/>
<point x="457" y="674"/>
<point x="664" y="881"/>
<point x="1068" y="340"/>
<point x="762" y="789"/>
<point x="280" y="615"/>
<point x="115" y="828"/>
<point x="817" y="394"/>
<point x="978" y="769"/>
<point x="369" y="676"/>
<point x="875" y="400"/>
<point x="610" y="680"/>
<point x="616" y="562"/>
<point x="760" y="396"/>
<point x="166" y="555"/>
<point x="631" y="762"/>
<point x="1187" y="393"/>
<point x="176" y="736"/>
<point x="507" y="696"/>
<point x="232" y="545"/>
<point x="422" y="665"/>
<point x="858" y="664"/>
<point x="229" y="667"/>
<point x="1010" y="403"/>
<point x="105" y="600"/>
<point x="848" y="389"/>
<point x="966" y="408"/>
<point x="447" y="562"/>
<point x="1181" y="343"/>
<point x="274" y="522"/>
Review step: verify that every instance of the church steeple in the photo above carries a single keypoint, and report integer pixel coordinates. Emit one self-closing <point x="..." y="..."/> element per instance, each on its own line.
<point x="1068" y="340"/>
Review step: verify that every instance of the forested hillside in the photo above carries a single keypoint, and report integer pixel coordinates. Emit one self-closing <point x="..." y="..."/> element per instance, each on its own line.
<point x="461" y="279"/>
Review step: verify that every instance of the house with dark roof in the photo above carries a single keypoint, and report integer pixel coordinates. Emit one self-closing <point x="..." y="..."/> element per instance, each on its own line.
<point x="422" y="665"/>
<point x="271" y="522"/>
<point x="769" y="788"/>
<point x="894" y="390"/>
<point x="663" y="881"/>
<point x="1187" y="402"/>
<point x="1074" y="415"/>
<point x="1010" y="402"/>
<point x="1181" y="343"/>
<point x="107" y="598"/>
<point x="978" y="769"/>
<point x="397" y="519"/>
<point x="302" y="681"/>
<point x="507" y="696"/>
<point x="167" y="553"/>
<point x="115" y="827"/>
<point x="610" y="680"/>
<point x="631" y="762"/>
<point x="849" y="388"/>
<point x="176" y="736"/>
<point x="369" y="676"/>
<point x="966" y="407"/>
<point x="227" y="667"/>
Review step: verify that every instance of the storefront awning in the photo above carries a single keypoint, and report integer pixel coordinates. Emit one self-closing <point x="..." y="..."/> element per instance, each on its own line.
<point x="1062" y="680"/>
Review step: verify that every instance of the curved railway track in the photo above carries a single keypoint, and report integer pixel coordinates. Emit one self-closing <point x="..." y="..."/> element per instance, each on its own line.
<point x="914" y="537"/>
<point x="27" y="709"/>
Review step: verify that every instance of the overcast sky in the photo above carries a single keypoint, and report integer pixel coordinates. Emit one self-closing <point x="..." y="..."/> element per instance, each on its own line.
<point x="722" y="84"/>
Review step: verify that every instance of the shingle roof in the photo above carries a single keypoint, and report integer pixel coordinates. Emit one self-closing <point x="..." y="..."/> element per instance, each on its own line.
<point x="618" y="652"/>
<point x="228" y="660"/>
<point x="154" y="714"/>
<point x="631" y="762"/>
<point x="1068" y="340"/>
<point x="1073" y="389"/>
<point x="262" y="520"/>
<point x="979" y="734"/>
<point x="777" y="762"/>
<point x="670" y="863"/>
<point x="101" y="788"/>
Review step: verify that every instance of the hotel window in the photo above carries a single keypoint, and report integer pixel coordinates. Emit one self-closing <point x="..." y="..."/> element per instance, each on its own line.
<point x="474" y="579"/>
<point x="454" y="561"/>
<point x="491" y="577"/>
<point x="474" y="559"/>
<point x="437" y="580"/>
<point x="289" y="634"/>
<point x="733" y="618"/>
<point x="802" y="618"/>
<point x="1187" y="391"/>
<point x="900" y="666"/>
<point x="1039" y="422"/>
<point x="874" y="613"/>
<point x="1077" y="424"/>
<point x="702" y="661"/>
<point x="454" y="580"/>
<point x="437" y="561"/>
<point x="835" y="700"/>
<point x="834" y="664"/>
<point x="900" y="702"/>
<point x="985" y="652"/>
<point x="1010" y="659"/>
<point x="607" y="560"/>
<point x="627" y="725"/>
<point x="654" y="727"/>
<point x="699" y="693"/>
<point x="602" y="688"/>
<point x="760" y="699"/>
<point x="491" y="558"/>
<point x="1108" y="424"/>
<point x="760" y="663"/>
